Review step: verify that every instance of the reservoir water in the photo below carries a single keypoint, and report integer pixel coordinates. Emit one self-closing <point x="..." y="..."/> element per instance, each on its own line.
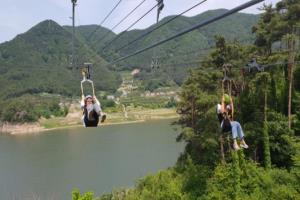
<point x="50" y="165"/>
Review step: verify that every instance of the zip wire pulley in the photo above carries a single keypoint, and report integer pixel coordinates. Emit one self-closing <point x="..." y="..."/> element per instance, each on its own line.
<point x="254" y="66"/>
<point x="86" y="76"/>
<point x="227" y="82"/>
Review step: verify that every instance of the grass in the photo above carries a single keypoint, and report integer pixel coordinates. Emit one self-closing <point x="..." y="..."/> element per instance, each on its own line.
<point x="134" y="114"/>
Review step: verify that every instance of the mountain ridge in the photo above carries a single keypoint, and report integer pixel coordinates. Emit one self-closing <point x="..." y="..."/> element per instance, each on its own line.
<point x="45" y="49"/>
<point x="36" y="58"/>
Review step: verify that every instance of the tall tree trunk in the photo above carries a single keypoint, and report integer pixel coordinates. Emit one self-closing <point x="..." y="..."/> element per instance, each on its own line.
<point x="291" y="43"/>
<point x="236" y="175"/>
<point x="266" y="140"/>
<point x="221" y="139"/>
<point x="291" y="74"/>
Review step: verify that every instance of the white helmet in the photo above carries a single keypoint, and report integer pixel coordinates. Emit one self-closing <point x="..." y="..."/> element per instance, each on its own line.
<point x="88" y="96"/>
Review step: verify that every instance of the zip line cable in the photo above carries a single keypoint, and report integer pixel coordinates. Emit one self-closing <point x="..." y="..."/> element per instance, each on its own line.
<point x="201" y="51"/>
<point x="202" y="24"/>
<point x="270" y="65"/>
<point x="141" y="3"/>
<point x="212" y="69"/>
<point x="118" y="36"/>
<point x="159" y="26"/>
<point x="94" y="54"/>
<point x="107" y="16"/>
<point x="198" y="51"/>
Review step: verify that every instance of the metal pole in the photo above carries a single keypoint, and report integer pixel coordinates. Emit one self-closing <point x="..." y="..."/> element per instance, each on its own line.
<point x="160" y="6"/>
<point x="154" y="63"/>
<point x="73" y="32"/>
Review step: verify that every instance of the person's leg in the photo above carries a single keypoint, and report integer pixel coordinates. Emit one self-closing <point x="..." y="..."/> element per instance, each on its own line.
<point x="86" y="122"/>
<point x="83" y="121"/>
<point x="98" y="110"/>
<point x="239" y="130"/>
<point x="234" y="132"/>
<point x="241" y="136"/>
<point x="103" y="117"/>
<point x="91" y="115"/>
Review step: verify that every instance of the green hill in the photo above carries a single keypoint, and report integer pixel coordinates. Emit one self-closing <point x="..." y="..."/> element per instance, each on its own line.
<point x="33" y="62"/>
<point x="92" y="34"/>
<point x="236" y="27"/>
<point x="39" y="61"/>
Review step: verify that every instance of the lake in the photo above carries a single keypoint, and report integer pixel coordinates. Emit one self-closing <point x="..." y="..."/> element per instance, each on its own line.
<point x="50" y="165"/>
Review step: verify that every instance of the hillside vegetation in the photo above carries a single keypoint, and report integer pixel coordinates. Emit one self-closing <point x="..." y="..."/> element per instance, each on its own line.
<point x="39" y="61"/>
<point x="173" y="57"/>
<point x="270" y="168"/>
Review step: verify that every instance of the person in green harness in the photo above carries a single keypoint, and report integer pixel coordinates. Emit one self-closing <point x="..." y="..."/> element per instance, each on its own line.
<point x="225" y="112"/>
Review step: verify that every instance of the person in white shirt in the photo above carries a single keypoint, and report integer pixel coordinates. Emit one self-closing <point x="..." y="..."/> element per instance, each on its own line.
<point x="91" y="111"/>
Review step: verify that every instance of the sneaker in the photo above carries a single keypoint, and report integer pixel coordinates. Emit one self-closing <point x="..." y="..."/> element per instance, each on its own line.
<point x="244" y="145"/>
<point x="236" y="147"/>
<point x="103" y="117"/>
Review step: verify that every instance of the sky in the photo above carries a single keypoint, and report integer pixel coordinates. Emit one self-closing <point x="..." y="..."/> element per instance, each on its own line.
<point x="19" y="16"/>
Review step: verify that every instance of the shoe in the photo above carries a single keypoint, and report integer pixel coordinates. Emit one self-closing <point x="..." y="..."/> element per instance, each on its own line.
<point x="236" y="147"/>
<point x="103" y="117"/>
<point x="244" y="145"/>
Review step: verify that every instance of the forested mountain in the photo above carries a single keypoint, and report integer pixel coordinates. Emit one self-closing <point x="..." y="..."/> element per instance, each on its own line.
<point x="171" y="55"/>
<point x="36" y="58"/>
<point x="39" y="61"/>
<point x="235" y="27"/>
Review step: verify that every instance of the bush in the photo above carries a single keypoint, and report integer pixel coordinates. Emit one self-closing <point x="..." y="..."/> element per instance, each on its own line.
<point x="31" y="108"/>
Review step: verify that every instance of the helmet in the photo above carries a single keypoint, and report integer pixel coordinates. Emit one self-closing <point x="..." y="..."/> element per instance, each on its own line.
<point x="227" y="99"/>
<point x="88" y="96"/>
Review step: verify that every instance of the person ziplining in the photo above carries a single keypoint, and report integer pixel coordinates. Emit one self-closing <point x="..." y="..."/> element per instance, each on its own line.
<point x="90" y="105"/>
<point x="225" y="111"/>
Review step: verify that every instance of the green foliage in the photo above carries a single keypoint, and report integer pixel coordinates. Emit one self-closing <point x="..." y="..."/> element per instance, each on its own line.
<point x="105" y="103"/>
<point x="275" y="23"/>
<point x="170" y="54"/>
<point x="87" y="196"/>
<point x="259" y="90"/>
<point x="237" y="180"/>
<point x="39" y="61"/>
<point x="255" y="183"/>
<point x="30" y="108"/>
<point x="152" y="85"/>
<point x="171" y="103"/>
<point x="282" y="144"/>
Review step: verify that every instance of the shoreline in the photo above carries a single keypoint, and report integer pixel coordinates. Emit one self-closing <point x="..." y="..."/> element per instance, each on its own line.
<point x="38" y="128"/>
